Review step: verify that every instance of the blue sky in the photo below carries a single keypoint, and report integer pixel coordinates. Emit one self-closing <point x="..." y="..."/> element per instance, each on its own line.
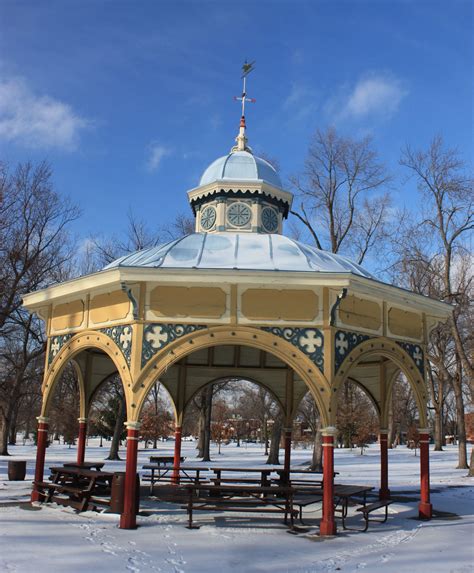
<point x="130" y="101"/>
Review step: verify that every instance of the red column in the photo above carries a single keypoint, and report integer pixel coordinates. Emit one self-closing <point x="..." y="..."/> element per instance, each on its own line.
<point x="425" y="509"/>
<point x="81" y="440"/>
<point x="177" y="454"/>
<point x="287" y="461"/>
<point x="128" y="519"/>
<point x="384" y="492"/>
<point x="41" y="441"/>
<point x="328" y="523"/>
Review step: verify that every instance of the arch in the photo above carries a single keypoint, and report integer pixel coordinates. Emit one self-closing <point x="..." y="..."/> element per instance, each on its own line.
<point x="234" y="335"/>
<point x="391" y="350"/>
<point x="73" y="347"/>
<point x="244" y="378"/>
<point x="368" y="394"/>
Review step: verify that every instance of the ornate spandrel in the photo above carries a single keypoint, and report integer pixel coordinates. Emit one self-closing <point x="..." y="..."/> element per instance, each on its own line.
<point x="55" y="345"/>
<point x="157" y="336"/>
<point x="122" y="336"/>
<point x="344" y="343"/>
<point x="309" y="340"/>
<point x="416" y="354"/>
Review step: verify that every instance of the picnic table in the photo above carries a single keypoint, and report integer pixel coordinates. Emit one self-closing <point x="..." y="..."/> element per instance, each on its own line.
<point x="240" y="499"/>
<point x="76" y="487"/>
<point x="85" y="465"/>
<point x="263" y="481"/>
<point x="191" y="474"/>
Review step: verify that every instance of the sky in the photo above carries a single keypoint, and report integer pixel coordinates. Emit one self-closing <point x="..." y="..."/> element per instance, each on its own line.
<point x="130" y="101"/>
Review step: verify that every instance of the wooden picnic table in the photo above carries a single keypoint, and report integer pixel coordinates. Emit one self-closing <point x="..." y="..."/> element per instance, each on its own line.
<point x="187" y="473"/>
<point x="163" y="460"/>
<point x="241" y="499"/>
<point x="76" y="487"/>
<point x="264" y="475"/>
<point x="85" y="465"/>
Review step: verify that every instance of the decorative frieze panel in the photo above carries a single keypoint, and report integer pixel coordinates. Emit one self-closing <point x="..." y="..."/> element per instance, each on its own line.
<point x="309" y="340"/>
<point x="344" y="343"/>
<point x="157" y="336"/>
<point x="55" y="345"/>
<point x="122" y="336"/>
<point x="416" y="354"/>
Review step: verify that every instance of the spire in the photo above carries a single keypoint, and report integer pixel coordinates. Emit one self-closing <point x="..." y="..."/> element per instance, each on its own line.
<point x="241" y="138"/>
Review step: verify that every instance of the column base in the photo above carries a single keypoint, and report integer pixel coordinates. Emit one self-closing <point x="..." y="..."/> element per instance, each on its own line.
<point x="35" y="495"/>
<point x="327" y="528"/>
<point x="384" y="494"/>
<point x="128" y="521"/>
<point x="425" y="510"/>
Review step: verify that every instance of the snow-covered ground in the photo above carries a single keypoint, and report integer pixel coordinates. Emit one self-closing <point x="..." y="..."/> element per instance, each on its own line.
<point x="55" y="539"/>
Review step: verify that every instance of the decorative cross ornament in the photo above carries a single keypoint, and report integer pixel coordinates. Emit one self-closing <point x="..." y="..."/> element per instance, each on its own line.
<point x="126" y="337"/>
<point x="417" y="355"/>
<point x="341" y="343"/>
<point x="55" y="346"/>
<point x="310" y="341"/>
<point x="157" y="336"/>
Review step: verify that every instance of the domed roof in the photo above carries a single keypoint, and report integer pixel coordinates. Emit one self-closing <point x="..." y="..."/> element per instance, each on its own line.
<point x="240" y="166"/>
<point x="239" y="251"/>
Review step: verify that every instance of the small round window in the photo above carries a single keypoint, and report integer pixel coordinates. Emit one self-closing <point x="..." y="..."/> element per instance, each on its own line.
<point x="208" y="218"/>
<point x="239" y="214"/>
<point x="269" y="219"/>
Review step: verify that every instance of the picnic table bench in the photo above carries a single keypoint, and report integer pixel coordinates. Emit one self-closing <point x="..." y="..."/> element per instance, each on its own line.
<point x="85" y="465"/>
<point x="76" y="487"/>
<point x="243" y="499"/>
<point x="164" y="460"/>
<point x="187" y="474"/>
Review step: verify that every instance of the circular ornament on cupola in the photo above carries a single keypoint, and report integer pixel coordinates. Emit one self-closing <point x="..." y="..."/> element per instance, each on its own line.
<point x="239" y="214"/>
<point x="269" y="219"/>
<point x="208" y="218"/>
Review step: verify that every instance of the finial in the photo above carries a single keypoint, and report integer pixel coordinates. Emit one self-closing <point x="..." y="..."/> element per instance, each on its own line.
<point x="241" y="139"/>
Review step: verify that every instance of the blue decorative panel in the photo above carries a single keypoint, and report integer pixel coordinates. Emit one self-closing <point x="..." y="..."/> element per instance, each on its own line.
<point x="416" y="354"/>
<point x="56" y="343"/>
<point x="157" y="336"/>
<point x="345" y="342"/>
<point x="308" y="340"/>
<point x="122" y="336"/>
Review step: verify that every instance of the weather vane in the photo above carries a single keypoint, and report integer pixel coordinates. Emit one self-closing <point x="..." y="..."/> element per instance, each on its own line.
<point x="246" y="69"/>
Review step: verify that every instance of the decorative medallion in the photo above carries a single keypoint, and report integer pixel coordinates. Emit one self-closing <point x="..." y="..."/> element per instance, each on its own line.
<point x="208" y="218"/>
<point x="416" y="354"/>
<point x="157" y="336"/>
<point x="269" y="219"/>
<point x="55" y="345"/>
<point x="345" y="342"/>
<point x="239" y="214"/>
<point x="308" y="340"/>
<point x="122" y="336"/>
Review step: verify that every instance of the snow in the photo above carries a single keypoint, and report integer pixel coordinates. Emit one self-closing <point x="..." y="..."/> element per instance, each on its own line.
<point x="54" y="539"/>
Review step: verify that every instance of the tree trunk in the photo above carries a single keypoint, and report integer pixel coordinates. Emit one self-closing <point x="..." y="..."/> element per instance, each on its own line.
<point x="4" y="436"/>
<point x="462" y="450"/>
<point x="317" y="461"/>
<point x="114" y="446"/>
<point x="13" y="425"/>
<point x="438" y="429"/>
<point x="275" y="442"/>
<point x="471" y="464"/>
<point x="391" y="425"/>
<point x="207" y="425"/>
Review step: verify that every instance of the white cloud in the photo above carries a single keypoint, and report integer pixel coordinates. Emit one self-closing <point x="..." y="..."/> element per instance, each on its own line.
<point x="156" y="153"/>
<point x="36" y="121"/>
<point x="373" y="95"/>
<point x="300" y="103"/>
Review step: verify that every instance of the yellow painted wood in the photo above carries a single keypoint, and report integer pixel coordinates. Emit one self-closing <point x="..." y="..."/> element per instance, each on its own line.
<point x="68" y="315"/>
<point x="405" y="323"/>
<point x="108" y="307"/>
<point x="183" y="302"/>
<point x="359" y="312"/>
<point x="276" y="304"/>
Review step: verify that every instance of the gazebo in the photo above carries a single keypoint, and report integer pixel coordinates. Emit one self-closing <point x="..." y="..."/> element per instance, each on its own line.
<point x="238" y="298"/>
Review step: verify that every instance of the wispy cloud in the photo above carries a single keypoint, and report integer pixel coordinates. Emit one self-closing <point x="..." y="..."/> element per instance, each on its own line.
<point x="37" y="121"/>
<point x="373" y="95"/>
<point x="156" y="153"/>
<point x="300" y="103"/>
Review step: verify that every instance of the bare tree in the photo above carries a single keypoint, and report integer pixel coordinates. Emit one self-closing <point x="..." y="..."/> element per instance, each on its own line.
<point x="446" y="264"/>
<point x="342" y="205"/>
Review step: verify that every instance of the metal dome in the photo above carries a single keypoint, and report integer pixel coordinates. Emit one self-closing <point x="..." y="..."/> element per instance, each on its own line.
<point x="240" y="166"/>
<point x="239" y="251"/>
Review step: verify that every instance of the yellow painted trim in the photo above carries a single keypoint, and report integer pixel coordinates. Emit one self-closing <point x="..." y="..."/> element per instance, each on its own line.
<point x="235" y="335"/>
